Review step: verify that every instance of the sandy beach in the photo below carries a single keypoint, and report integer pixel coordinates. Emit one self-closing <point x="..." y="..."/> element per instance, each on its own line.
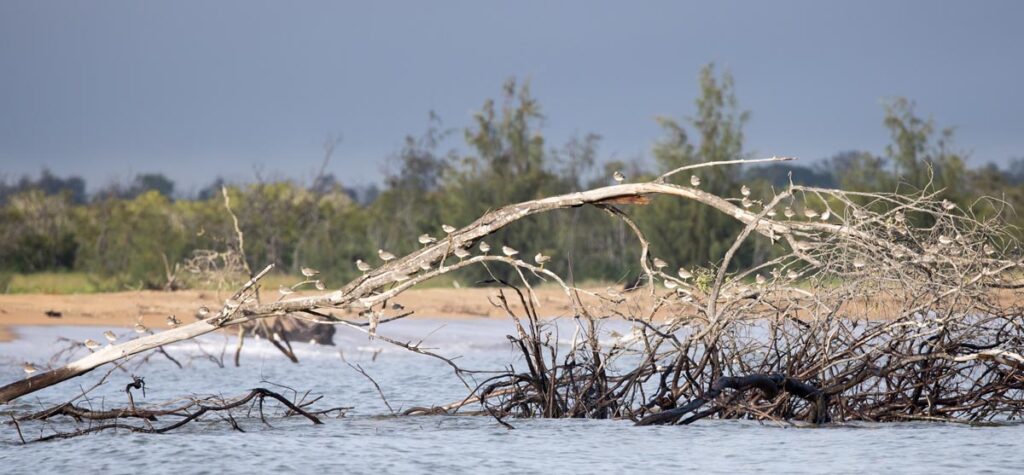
<point x="124" y="309"/>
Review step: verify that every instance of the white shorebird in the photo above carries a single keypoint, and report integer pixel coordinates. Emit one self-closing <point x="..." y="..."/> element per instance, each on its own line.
<point x="448" y="229"/>
<point x="484" y="247"/>
<point x="110" y="336"/>
<point x="671" y="284"/>
<point x="285" y="290"/>
<point x="203" y="312"/>
<point x="362" y="266"/>
<point x="659" y="263"/>
<point x="744" y="190"/>
<point x="792" y="275"/>
<point x="309" y="271"/>
<point x="694" y="180"/>
<point x="91" y="344"/>
<point x="173" y="321"/>
<point x="541" y="259"/>
<point x="320" y="285"/>
<point x="29" y="368"/>
<point x="461" y="253"/>
<point x="788" y="212"/>
<point x="618" y="177"/>
<point x="771" y="213"/>
<point x="827" y="214"/>
<point x="508" y="251"/>
<point x="426" y="239"/>
<point x="385" y="255"/>
<point x="746" y="202"/>
<point x="140" y="328"/>
<point x="684" y="274"/>
<point x="858" y="263"/>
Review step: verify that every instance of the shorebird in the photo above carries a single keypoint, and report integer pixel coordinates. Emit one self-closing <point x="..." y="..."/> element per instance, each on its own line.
<point x="426" y="239"/>
<point x="948" y="205"/>
<point x="91" y="344"/>
<point x="771" y="213"/>
<point x="29" y="368"/>
<point x="461" y="253"/>
<point x="140" y="328"/>
<point x="671" y="284"/>
<point x="362" y="266"/>
<point x="988" y="250"/>
<point x="385" y="255"/>
<point x="320" y="285"/>
<point x="859" y="264"/>
<point x="827" y="214"/>
<point x="172" y="321"/>
<point x="945" y="240"/>
<point x="746" y="202"/>
<point x="110" y="336"/>
<point x="792" y="275"/>
<point x="541" y="259"/>
<point x="448" y="229"/>
<point x="309" y="271"/>
<point x="285" y="290"/>
<point x="684" y="274"/>
<point x="484" y="247"/>
<point x="899" y="217"/>
<point x="760" y="279"/>
<point x="508" y="251"/>
<point x="744" y="190"/>
<point x="203" y="312"/>
<point x="694" y="180"/>
<point x="810" y="213"/>
<point x="618" y="177"/>
<point x="659" y="264"/>
<point x="788" y="212"/>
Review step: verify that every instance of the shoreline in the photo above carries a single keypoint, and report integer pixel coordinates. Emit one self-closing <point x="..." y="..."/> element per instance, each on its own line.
<point x="151" y="308"/>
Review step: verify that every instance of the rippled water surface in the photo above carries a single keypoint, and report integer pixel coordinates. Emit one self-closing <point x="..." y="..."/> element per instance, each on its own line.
<point x="366" y="440"/>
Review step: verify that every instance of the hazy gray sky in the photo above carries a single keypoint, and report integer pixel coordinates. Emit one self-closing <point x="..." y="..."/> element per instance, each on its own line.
<point x="200" y="89"/>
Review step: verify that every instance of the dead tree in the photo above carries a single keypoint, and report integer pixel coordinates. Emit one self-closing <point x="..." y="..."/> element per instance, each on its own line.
<point x="879" y="306"/>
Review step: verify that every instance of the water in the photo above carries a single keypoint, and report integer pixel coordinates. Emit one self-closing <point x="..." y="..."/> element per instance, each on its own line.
<point x="367" y="441"/>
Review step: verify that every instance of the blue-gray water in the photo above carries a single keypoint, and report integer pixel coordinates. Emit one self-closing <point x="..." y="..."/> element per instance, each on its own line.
<point x="365" y="442"/>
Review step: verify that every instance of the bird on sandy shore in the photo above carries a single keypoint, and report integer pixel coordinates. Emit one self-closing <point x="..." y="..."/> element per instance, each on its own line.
<point x="110" y="336"/>
<point x="29" y="368"/>
<point x="309" y="271"/>
<point x="461" y="253"/>
<point x="362" y="266"/>
<point x="447" y="229"/>
<point x="385" y="255"/>
<point x="91" y="344"/>
<point x="541" y="259"/>
<point x="484" y="247"/>
<point x="618" y="177"/>
<point x="173" y="321"/>
<point x="284" y="290"/>
<point x="426" y="239"/>
<point x="508" y="251"/>
<point x="694" y="180"/>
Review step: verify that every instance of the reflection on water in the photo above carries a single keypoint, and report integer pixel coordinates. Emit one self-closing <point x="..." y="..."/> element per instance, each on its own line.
<point x="365" y="441"/>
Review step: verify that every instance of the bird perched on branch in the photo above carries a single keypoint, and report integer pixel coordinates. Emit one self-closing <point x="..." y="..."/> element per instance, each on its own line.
<point x="173" y="321"/>
<point x="541" y="259"/>
<point x="91" y="344"/>
<point x="447" y="229"/>
<point x="362" y="266"/>
<point x="426" y="239"/>
<point x="484" y="247"/>
<point x="309" y="271"/>
<point x="29" y="368"/>
<point x="385" y="255"/>
<point x="508" y="251"/>
<point x="694" y="180"/>
<point x="618" y="177"/>
<point x="110" y="336"/>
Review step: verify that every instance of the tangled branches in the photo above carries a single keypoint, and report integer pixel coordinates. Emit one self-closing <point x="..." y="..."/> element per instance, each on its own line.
<point x="871" y="306"/>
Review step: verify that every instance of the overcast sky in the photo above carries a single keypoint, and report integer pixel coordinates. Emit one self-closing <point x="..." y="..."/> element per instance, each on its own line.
<point x="200" y="89"/>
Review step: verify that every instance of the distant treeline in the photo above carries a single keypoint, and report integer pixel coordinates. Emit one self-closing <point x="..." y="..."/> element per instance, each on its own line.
<point x="126" y="233"/>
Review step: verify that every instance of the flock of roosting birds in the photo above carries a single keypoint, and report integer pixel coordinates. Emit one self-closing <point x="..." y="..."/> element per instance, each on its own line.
<point x="880" y="307"/>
